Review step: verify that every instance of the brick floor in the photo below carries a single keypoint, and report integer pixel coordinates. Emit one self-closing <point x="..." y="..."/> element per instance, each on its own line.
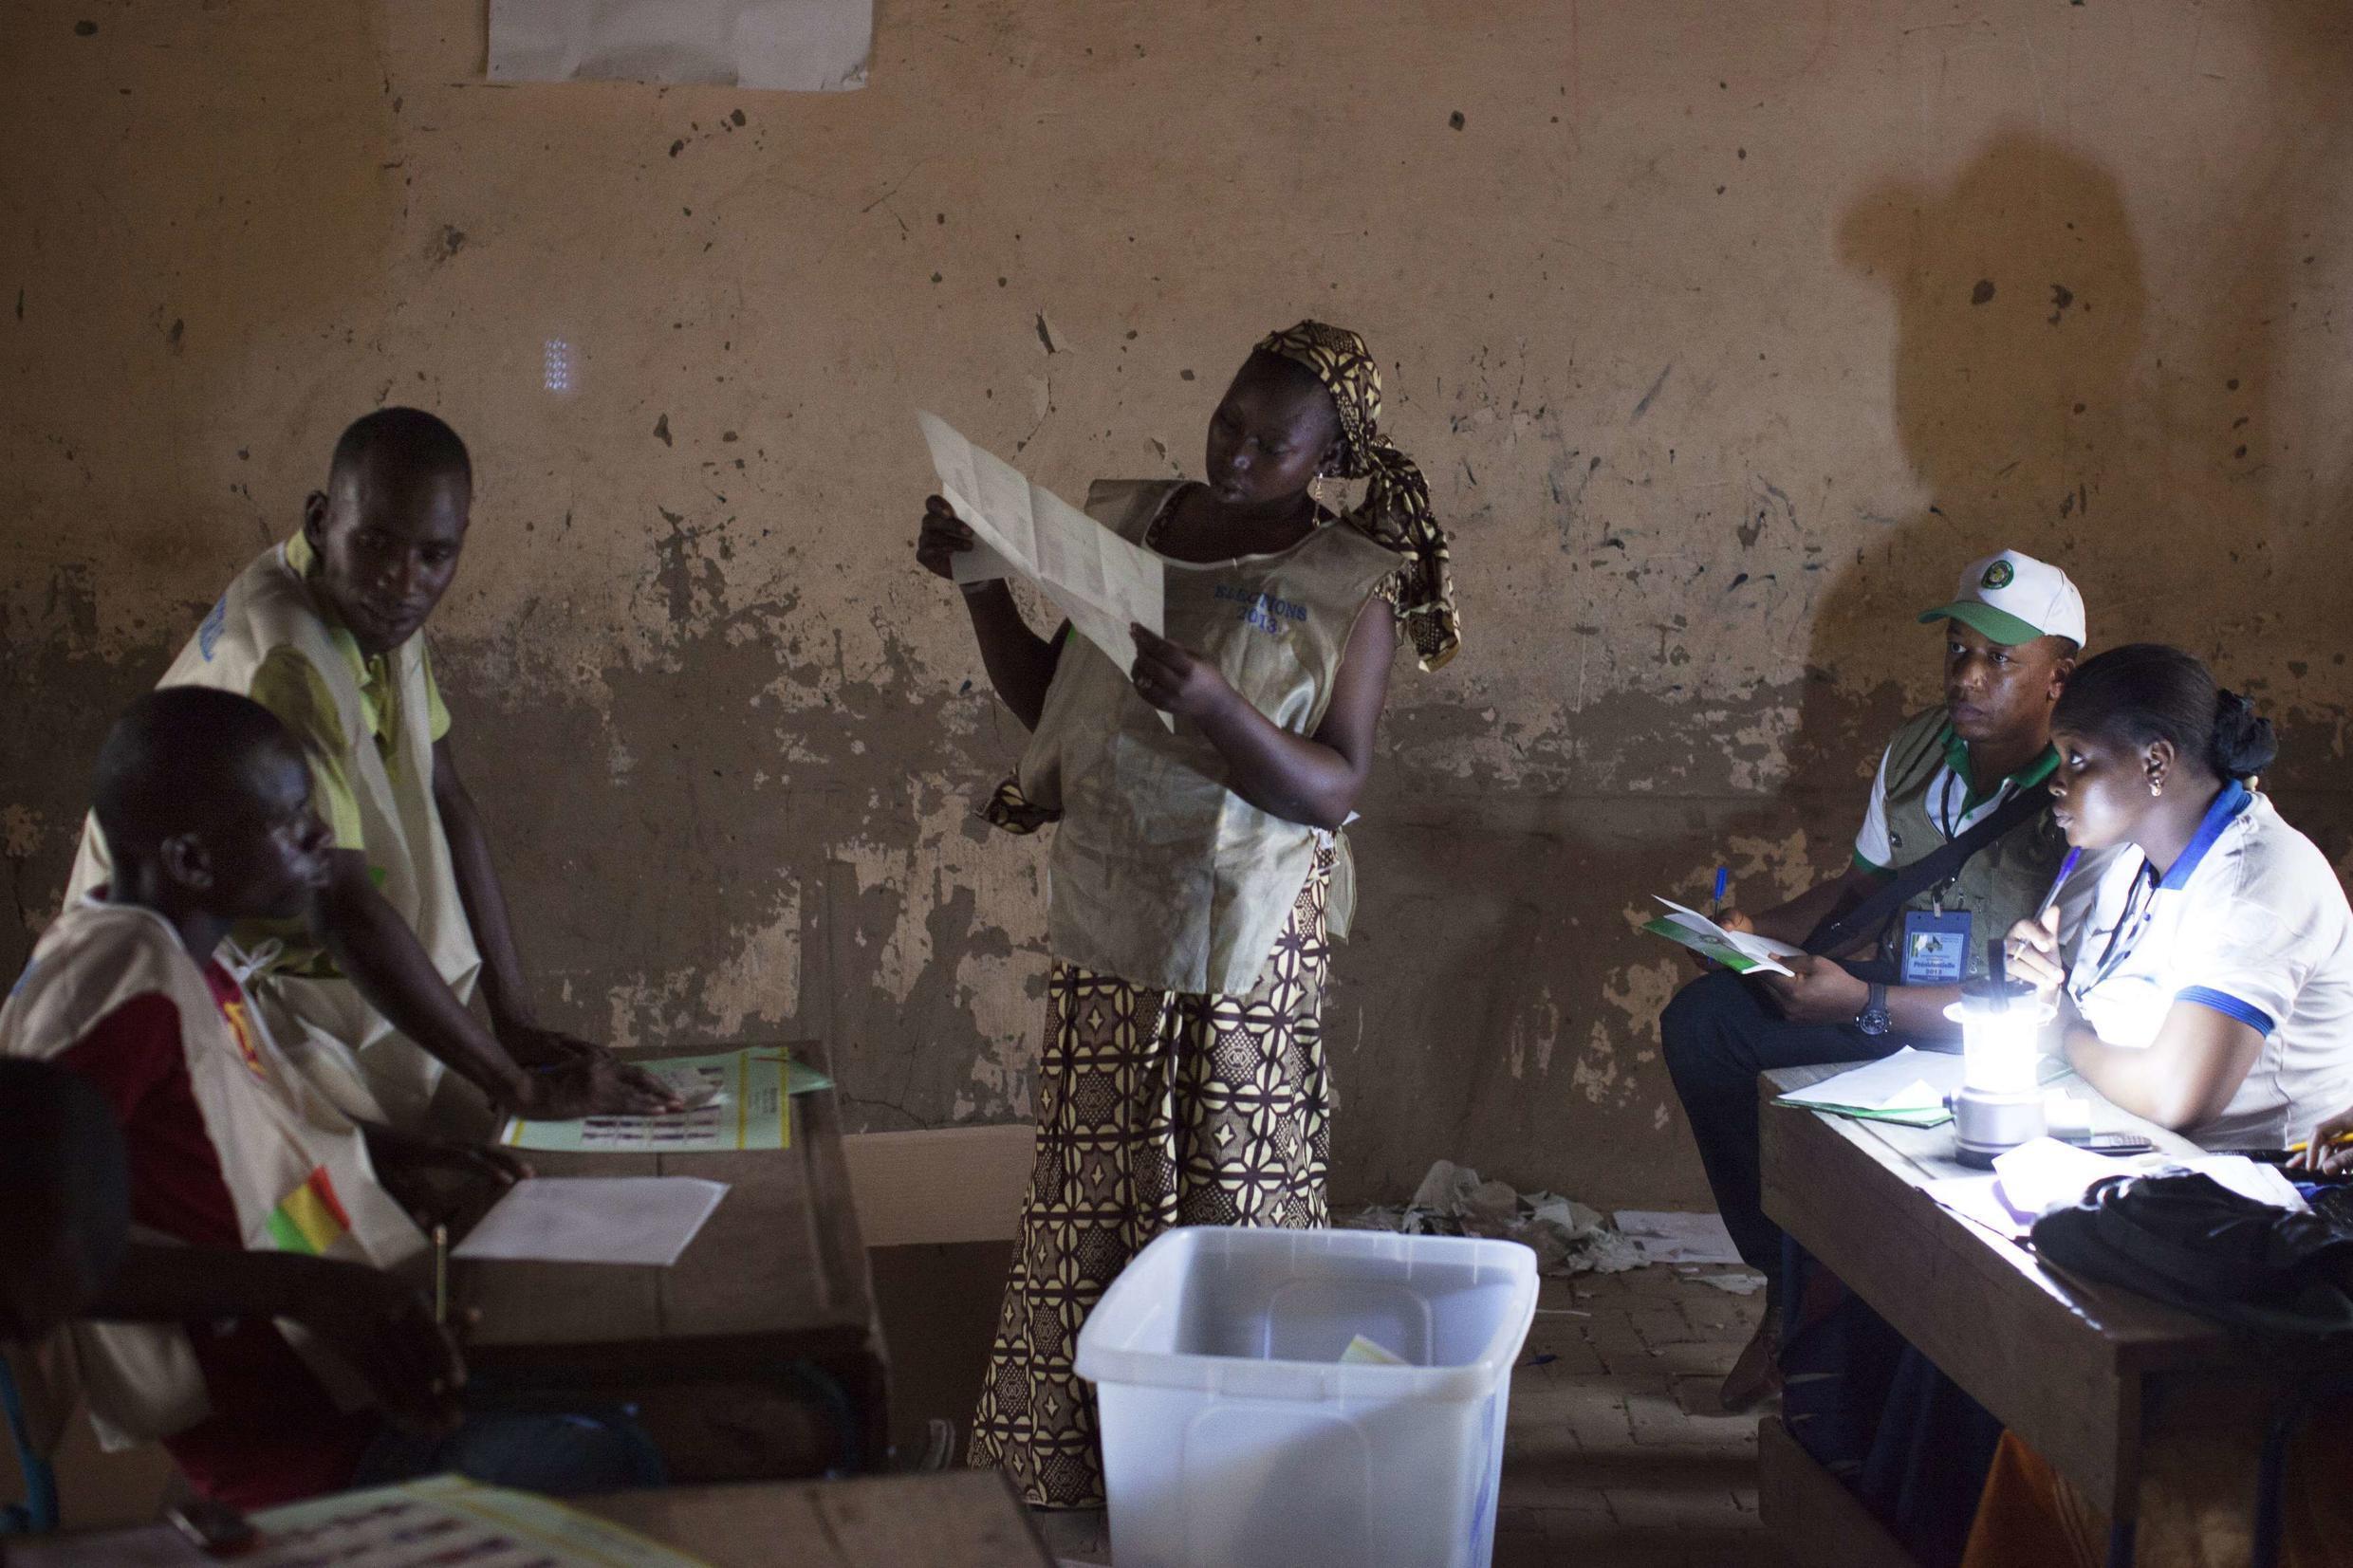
<point x="1617" y="1454"/>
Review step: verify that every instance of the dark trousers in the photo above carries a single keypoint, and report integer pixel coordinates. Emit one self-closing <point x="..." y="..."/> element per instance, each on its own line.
<point x="1720" y="1033"/>
<point x="1878" y="1415"/>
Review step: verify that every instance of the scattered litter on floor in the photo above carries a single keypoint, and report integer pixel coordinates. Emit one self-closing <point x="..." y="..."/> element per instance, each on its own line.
<point x="1677" y="1238"/>
<point x="1567" y="1237"/>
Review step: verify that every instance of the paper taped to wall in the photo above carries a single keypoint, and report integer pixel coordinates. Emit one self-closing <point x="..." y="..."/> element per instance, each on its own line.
<point x="802" y="46"/>
<point x="1099" y="581"/>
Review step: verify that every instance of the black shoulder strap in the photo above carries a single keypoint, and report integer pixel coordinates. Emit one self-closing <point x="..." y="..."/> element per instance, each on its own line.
<point x="1840" y="933"/>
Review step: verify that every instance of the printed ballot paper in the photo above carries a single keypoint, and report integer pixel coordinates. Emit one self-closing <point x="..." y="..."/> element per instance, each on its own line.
<point x="441" y="1521"/>
<point x="646" y="1220"/>
<point x="1741" y="952"/>
<point x="447" y="1519"/>
<point x="735" y="1100"/>
<point x="1099" y="581"/>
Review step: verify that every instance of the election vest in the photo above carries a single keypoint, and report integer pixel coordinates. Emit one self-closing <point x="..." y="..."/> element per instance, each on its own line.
<point x="2001" y="884"/>
<point x="1160" y="874"/>
<point x="297" y="1169"/>
<point x="322" y="1023"/>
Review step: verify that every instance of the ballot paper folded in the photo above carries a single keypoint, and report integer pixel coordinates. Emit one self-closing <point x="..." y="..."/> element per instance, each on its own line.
<point x="1741" y="952"/>
<point x="1366" y="1353"/>
<point x="643" y="1220"/>
<point x="1101" y="582"/>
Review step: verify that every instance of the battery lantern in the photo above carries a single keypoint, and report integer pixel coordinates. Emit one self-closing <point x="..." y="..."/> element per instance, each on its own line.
<point x="1999" y="1104"/>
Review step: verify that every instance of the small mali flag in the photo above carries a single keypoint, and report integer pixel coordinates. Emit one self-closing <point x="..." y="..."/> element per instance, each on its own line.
<point x="311" y="1218"/>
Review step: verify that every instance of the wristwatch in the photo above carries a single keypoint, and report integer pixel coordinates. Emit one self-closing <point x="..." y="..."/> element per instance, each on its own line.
<point x="1873" y="1020"/>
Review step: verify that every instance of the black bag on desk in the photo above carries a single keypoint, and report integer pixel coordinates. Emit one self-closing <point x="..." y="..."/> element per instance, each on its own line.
<point x="2192" y="1243"/>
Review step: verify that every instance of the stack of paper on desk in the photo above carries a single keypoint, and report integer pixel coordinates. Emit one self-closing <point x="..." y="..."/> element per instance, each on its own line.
<point x="646" y="1220"/>
<point x="1099" y="581"/>
<point x="1741" y="952"/>
<point x="1908" y="1087"/>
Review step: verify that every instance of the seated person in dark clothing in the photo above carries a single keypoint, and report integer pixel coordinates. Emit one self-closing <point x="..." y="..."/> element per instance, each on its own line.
<point x="2011" y="636"/>
<point x="266" y="1201"/>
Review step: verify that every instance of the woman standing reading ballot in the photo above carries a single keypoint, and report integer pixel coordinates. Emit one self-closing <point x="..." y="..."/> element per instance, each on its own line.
<point x="1195" y="873"/>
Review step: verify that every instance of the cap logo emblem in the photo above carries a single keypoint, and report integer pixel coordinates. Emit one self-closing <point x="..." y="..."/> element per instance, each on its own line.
<point x="2000" y="575"/>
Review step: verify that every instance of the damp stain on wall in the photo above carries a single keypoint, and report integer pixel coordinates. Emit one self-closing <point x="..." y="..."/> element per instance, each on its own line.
<point x="1722" y="354"/>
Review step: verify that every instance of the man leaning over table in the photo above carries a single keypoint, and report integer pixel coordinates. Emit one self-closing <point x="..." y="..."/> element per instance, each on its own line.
<point x="2011" y="634"/>
<point x="370" y="993"/>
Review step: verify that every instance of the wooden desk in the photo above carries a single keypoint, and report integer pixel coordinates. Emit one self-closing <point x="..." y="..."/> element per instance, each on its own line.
<point x="2072" y="1366"/>
<point x="962" y="1519"/>
<point x="737" y="1351"/>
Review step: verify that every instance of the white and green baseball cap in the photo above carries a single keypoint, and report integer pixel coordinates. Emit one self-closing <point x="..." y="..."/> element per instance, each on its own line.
<point x="2012" y="599"/>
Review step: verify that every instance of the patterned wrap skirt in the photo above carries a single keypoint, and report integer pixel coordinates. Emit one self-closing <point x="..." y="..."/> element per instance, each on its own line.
<point x="1155" y="1108"/>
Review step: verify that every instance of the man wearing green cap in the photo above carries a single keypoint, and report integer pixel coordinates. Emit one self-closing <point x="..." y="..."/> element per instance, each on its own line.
<point x="2011" y="634"/>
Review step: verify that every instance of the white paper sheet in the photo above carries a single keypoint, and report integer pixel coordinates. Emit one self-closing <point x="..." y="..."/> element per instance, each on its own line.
<point x="1669" y="1237"/>
<point x="594" y="1220"/>
<point x="2251" y="1179"/>
<point x="2035" y="1177"/>
<point x="1099" y="581"/>
<point x="2043" y="1172"/>
<point x="1979" y="1198"/>
<point x="1908" y="1080"/>
<point x="2040" y="1175"/>
<point x="805" y="46"/>
<point x="1764" y="952"/>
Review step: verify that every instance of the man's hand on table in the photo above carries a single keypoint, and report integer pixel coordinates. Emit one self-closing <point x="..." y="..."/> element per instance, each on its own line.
<point x="567" y="1077"/>
<point x="439" y="1182"/>
<point x="1819" y="991"/>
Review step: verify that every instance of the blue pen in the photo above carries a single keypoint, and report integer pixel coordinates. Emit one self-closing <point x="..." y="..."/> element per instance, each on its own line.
<point x="2067" y="869"/>
<point x="1723" y="876"/>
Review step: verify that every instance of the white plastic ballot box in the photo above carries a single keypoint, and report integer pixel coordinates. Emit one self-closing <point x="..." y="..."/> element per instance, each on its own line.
<point x="1236" y="1437"/>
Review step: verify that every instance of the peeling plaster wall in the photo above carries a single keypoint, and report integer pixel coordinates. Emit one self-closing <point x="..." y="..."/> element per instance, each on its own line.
<point x="1724" y="334"/>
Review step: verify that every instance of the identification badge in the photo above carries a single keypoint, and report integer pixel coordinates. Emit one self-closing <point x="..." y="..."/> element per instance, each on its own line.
<point x="1936" y="947"/>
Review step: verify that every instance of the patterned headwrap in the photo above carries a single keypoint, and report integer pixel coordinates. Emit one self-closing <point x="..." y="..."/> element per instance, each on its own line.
<point x="1395" y="510"/>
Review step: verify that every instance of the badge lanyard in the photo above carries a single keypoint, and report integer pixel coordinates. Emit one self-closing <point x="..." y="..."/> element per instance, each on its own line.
<point x="1949" y="826"/>
<point x="2219" y="817"/>
<point x="2130" y="927"/>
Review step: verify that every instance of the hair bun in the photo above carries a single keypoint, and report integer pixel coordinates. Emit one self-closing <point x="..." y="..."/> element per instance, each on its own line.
<point x="2244" y="742"/>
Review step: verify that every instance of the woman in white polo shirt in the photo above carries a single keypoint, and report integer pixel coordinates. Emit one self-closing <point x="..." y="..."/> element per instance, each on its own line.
<point x="2211" y="986"/>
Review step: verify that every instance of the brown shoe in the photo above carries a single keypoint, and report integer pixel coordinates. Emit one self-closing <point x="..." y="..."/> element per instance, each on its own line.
<point x="1755" y="1378"/>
